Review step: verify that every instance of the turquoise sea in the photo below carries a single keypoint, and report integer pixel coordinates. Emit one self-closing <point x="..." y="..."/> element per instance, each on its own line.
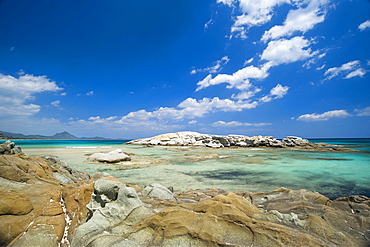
<point x="249" y="169"/>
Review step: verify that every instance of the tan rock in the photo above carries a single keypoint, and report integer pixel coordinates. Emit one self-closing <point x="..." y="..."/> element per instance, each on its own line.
<point x="33" y="209"/>
<point x="13" y="202"/>
<point x="13" y="226"/>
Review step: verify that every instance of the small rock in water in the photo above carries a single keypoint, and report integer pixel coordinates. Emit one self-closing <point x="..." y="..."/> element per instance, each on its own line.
<point x="111" y="157"/>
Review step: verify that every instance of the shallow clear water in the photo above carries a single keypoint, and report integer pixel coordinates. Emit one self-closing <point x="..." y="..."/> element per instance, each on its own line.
<point x="233" y="169"/>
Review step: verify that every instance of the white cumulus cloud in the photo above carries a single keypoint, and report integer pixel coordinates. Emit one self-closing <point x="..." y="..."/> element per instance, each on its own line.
<point x="287" y="50"/>
<point x="192" y="107"/>
<point x="16" y="92"/>
<point x="246" y="94"/>
<point x="254" y="13"/>
<point x="358" y="72"/>
<point x="226" y="2"/>
<point x="302" y="19"/>
<point x="237" y="123"/>
<point x="363" y="112"/>
<point x="350" y="69"/>
<point x="56" y="103"/>
<point x="277" y="92"/>
<point x="364" y="26"/>
<point x="324" y="116"/>
<point x="239" y="79"/>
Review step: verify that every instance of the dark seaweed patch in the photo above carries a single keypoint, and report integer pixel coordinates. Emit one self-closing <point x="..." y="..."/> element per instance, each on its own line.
<point x="230" y="175"/>
<point x="332" y="159"/>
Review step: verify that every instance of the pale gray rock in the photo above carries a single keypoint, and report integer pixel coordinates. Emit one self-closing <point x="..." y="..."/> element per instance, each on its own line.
<point x="111" y="203"/>
<point x="111" y="157"/>
<point x="9" y="148"/>
<point x="292" y="141"/>
<point x="158" y="191"/>
<point x="41" y="236"/>
<point x="65" y="173"/>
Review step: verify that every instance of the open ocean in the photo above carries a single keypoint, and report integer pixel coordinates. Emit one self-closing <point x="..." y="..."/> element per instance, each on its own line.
<point x="249" y="169"/>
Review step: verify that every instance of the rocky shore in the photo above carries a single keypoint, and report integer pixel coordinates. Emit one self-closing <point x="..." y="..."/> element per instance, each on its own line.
<point x="44" y="202"/>
<point x="188" y="138"/>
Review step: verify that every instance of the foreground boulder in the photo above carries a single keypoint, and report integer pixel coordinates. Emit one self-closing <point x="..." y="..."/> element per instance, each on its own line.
<point x="111" y="203"/>
<point x="42" y="201"/>
<point x="188" y="138"/>
<point x="216" y="218"/>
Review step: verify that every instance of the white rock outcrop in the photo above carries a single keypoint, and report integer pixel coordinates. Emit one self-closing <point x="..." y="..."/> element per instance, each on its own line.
<point x="188" y="138"/>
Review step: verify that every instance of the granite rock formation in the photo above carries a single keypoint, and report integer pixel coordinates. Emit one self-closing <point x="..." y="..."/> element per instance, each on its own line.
<point x="9" y="147"/>
<point x="216" y="218"/>
<point x="158" y="191"/>
<point x="42" y="200"/>
<point x="188" y="138"/>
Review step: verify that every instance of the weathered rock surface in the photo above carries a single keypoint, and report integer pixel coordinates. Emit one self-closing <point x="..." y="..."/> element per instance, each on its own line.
<point x="9" y="147"/>
<point x="188" y="138"/>
<point x="158" y="191"/>
<point x="216" y="218"/>
<point x="111" y="157"/>
<point x="42" y="200"/>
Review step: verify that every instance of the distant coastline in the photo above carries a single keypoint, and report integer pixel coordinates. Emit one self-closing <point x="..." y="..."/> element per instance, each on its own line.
<point x="58" y="136"/>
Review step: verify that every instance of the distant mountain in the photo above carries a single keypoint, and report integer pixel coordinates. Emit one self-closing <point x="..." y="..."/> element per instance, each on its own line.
<point x="58" y="136"/>
<point x="64" y="136"/>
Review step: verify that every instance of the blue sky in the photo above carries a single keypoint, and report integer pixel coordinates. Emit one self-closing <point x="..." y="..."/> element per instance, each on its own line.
<point x="131" y="69"/>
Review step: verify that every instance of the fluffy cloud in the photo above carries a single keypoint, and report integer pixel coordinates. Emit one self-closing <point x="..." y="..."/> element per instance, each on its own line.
<point x="246" y="94"/>
<point x="237" y="123"/>
<point x="213" y="69"/>
<point x="226" y="2"/>
<point x="277" y="92"/>
<point x="56" y="103"/>
<point x="287" y="50"/>
<point x="19" y="109"/>
<point x="188" y="109"/>
<point x="358" y="72"/>
<point x="254" y="13"/>
<point x="26" y="85"/>
<point x="196" y="108"/>
<point x="15" y="92"/>
<point x="365" y="25"/>
<point x="239" y="79"/>
<point x="302" y="19"/>
<point x="324" y="116"/>
<point x="363" y="112"/>
<point x="351" y="69"/>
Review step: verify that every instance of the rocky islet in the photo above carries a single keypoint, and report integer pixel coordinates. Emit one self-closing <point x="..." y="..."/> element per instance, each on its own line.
<point x="44" y="202"/>
<point x="188" y="138"/>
